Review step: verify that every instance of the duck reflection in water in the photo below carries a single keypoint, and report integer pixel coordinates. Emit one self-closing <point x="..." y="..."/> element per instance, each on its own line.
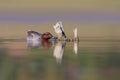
<point x="39" y="43"/>
<point x="58" y="51"/>
<point x="75" y="48"/>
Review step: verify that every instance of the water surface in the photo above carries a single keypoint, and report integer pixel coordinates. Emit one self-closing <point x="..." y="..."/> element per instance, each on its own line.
<point x="84" y="60"/>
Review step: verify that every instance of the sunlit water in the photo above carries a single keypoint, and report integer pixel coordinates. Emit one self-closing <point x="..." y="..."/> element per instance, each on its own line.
<point x="84" y="60"/>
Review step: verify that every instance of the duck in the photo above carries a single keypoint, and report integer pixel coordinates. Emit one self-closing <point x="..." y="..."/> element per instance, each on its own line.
<point x="33" y="35"/>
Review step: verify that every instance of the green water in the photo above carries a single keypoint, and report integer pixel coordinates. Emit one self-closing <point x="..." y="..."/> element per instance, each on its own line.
<point x="93" y="60"/>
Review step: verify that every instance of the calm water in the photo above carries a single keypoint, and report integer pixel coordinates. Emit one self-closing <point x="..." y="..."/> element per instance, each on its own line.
<point x="86" y="60"/>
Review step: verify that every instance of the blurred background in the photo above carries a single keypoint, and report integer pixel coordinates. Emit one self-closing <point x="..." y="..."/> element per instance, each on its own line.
<point x="92" y="17"/>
